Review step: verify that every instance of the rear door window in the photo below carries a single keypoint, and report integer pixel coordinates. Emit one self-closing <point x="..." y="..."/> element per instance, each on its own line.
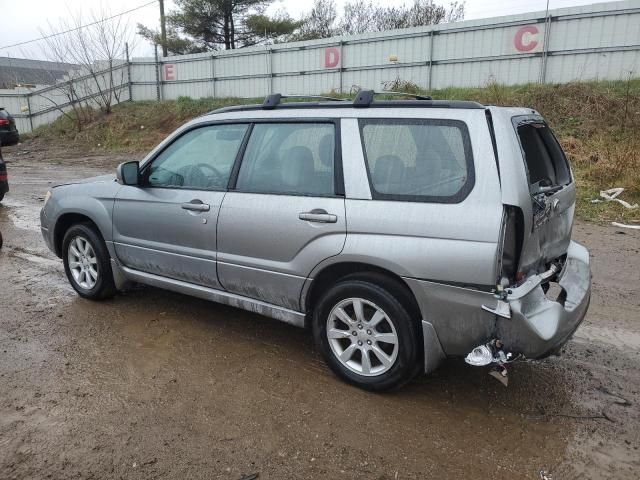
<point x="289" y="158"/>
<point x="546" y="163"/>
<point x="418" y="160"/>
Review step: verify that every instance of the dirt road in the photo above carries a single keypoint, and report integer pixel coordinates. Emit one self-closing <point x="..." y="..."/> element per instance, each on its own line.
<point x="153" y="384"/>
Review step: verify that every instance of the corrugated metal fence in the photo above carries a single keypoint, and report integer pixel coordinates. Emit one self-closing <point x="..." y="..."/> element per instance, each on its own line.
<point x="600" y="41"/>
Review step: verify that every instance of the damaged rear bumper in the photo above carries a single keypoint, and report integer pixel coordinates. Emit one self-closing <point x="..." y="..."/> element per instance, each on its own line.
<point x="540" y="325"/>
<point x="458" y="319"/>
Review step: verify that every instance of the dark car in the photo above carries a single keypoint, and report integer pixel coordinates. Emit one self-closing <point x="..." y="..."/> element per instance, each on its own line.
<point x="8" y="131"/>
<point x="4" y="180"/>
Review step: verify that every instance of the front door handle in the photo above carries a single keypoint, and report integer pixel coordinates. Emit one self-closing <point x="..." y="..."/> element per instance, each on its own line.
<point x="318" y="215"/>
<point x="196" y="206"/>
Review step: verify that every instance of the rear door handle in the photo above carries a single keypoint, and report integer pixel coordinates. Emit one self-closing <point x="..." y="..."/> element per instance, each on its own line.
<point x="318" y="215"/>
<point x="196" y="206"/>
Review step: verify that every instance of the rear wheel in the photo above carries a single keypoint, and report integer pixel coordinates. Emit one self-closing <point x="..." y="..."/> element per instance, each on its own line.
<point x="87" y="263"/>
<point x="366" y="335"/>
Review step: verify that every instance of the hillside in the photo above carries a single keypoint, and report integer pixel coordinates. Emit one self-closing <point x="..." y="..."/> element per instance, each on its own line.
<point x="597" y="124"/>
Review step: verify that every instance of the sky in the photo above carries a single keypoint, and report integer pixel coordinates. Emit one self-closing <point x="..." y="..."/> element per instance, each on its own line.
<point x="25" y="20"/>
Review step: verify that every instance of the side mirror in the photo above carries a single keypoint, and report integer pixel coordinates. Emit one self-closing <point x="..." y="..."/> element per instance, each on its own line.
<point x="128" y="173"/>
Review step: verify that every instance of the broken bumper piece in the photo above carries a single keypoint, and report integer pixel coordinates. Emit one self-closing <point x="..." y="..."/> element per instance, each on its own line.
<point x="538" y="325"/>
<point x="492" y="353"/>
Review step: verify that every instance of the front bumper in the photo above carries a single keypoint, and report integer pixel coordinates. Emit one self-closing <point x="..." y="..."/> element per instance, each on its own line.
<point x="540" y="325"/>
<point x="47" y="233"/>
<point x="4" y="179"/>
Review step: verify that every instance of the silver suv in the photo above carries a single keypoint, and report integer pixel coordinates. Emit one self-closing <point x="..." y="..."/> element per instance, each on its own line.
<point x="401" y="232"/>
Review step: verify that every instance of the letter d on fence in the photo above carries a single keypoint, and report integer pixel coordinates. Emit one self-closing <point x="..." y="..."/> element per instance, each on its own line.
<point x="331" y="57"/>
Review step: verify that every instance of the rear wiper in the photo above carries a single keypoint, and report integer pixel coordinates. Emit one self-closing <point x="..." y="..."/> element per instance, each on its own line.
<point x="544" y="187"/>
<point x="552" y="189"/>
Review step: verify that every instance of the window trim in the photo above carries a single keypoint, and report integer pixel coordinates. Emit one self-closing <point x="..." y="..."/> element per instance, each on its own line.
<point x="147" y="165"/>
<point x="459" y="196"/>
<point x="338" y="175"/>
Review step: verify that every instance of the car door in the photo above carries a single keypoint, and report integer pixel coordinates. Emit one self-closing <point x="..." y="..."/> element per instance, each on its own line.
<point x="284" y="212"/>
<point x="167" y="225"/>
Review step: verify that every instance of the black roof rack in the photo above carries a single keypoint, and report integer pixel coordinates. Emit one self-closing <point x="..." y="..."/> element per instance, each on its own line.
<point x="365" y="97"/>
<point x="273" y="100"/>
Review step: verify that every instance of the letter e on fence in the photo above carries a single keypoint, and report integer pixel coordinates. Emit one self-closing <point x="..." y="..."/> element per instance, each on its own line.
<point x="331" y="57"/>
<point x="169" y="72"/>
<point x="526" y="38"/>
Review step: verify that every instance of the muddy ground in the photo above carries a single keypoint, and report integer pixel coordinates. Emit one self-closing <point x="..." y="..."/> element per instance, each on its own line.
<point x="154" y="384"/>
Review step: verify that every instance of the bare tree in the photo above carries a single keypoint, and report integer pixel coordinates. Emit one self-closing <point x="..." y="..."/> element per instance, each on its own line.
<point x="96" y="46"/>
<point x="319" y="22"/>
<point x="362" y="16"/>
<point x="64" y="92"/>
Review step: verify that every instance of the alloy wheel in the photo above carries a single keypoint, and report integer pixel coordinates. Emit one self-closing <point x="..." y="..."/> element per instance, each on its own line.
<point x="362" y="337"/>
<point x="83" y="262"/>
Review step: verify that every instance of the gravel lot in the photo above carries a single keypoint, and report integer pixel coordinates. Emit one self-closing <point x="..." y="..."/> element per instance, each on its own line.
<point x="154" y="384"/>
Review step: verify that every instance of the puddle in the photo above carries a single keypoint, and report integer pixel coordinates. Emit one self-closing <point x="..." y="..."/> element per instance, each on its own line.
<point x="35" y="258"/>
<point x="23" y="216"/>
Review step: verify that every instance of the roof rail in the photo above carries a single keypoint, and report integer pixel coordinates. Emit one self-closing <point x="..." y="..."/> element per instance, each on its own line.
<point x="365" y="97"/>
<point x="273" y="100"/>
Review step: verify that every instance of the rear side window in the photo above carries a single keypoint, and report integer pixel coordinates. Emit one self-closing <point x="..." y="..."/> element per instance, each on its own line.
<point x="418" y="160"/>
<point x="289" y="158"/>
<point x="546" y="163"/>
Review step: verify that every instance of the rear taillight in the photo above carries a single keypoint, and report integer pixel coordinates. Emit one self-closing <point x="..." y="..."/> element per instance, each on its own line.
<point x="510" y="245"/>
<point x="4" y="121"/>
<point x="3" y="177"/>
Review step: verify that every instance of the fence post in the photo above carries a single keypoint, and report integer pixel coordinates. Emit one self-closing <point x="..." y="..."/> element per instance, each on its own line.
<point x="270" y="71"/>
<point x="429" y="79"/>
<point x="545" y="48"/>
<point x="341" y="65"/>
<point x="213" y="76"/>
<point x="157" y="74"/>
<point x="126" y="47"/>
<point x="29" y="110"/>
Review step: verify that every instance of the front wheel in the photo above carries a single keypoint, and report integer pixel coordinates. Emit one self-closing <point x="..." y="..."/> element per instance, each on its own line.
<point x="366" y="335"/>
<point x="87" y="263"/>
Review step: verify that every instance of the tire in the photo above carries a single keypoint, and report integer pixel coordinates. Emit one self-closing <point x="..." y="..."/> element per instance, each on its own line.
<point x="87" y="263"/>
<point x="384" y="320"/>
<point x="1" y="196"/>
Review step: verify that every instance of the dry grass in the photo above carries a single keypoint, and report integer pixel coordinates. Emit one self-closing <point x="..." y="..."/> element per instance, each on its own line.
<point x="597" y="124"/>
<point x="132" y="126"/>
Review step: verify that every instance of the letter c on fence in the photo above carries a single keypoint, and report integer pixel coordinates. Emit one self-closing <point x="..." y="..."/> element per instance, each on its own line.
<point x="331" y="57"/>
<point x="528" y="43"/>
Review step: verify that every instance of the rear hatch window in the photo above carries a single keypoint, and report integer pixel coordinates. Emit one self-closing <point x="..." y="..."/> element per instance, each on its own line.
<point x="552" y="194"/>
<point x="547" y="165"/>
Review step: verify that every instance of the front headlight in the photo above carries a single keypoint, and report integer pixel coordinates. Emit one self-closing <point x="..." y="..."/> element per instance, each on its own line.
<point x="46" y="198"/>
